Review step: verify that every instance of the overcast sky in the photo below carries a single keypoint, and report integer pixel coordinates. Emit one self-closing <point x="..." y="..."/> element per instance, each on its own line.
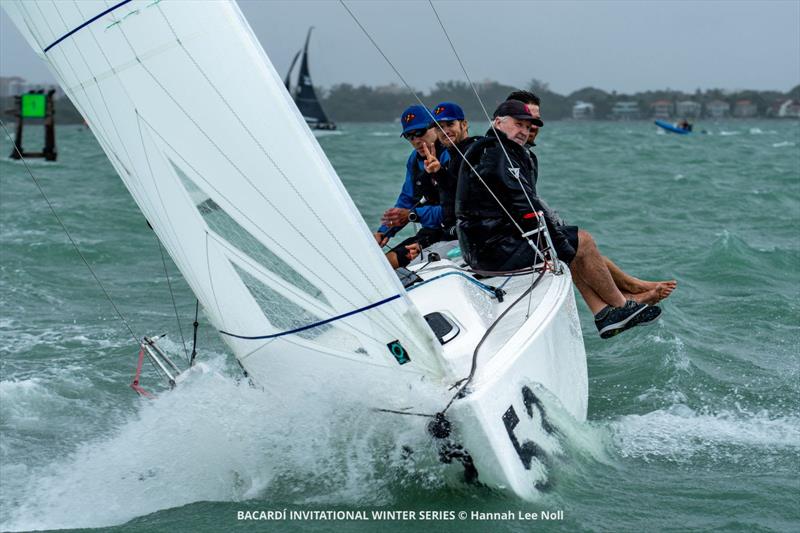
<point x="626" y="46"/>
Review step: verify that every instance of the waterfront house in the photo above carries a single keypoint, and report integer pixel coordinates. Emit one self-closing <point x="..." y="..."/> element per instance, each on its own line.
<point x="688" y="109"/>
<point x="718" y="109"/>
<point x="661" y="109"/>
<point x="583" y="110"/>
<point x="745" y="109"/>
<point x="625" y="110"/>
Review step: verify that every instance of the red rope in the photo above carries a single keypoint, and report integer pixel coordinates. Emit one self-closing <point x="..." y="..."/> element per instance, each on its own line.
<point x="135" y="385"/>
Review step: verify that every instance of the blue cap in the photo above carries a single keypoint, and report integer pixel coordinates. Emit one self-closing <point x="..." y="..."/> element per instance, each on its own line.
<point x="448" y="111"/>
<point x="415" y="117"/>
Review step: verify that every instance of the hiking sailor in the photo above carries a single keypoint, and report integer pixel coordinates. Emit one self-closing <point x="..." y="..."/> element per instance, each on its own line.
<point x="495" y="204"/>
<point x="649" y="292"/>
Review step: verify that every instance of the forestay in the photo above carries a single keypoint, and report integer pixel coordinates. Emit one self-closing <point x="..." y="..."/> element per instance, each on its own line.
<point x="202" y="131"/>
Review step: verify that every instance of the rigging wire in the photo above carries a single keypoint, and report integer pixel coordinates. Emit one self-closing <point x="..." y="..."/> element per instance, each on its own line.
<point x="418" y="99"/>
<point x="466" y="381"/>
<point x="477" y="96"/>
<point x="535" y="280"/>
<point x="172" y="296"/>
<point x="69" y="236"/>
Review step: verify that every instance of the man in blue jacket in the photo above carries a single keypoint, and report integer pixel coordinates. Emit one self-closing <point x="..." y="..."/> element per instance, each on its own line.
<point x="418" y="201"/>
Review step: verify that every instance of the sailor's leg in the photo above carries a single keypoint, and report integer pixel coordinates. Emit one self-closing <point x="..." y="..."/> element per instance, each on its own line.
<point x="624" y="281"/>
<point x="590" y="267"/>
<point x="593" y="301"/>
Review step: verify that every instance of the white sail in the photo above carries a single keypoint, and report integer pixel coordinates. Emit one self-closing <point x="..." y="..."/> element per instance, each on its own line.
<point x="199" y="126"/>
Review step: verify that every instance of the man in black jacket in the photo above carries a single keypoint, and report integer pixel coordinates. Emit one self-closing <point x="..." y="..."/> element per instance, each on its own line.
<point x="632" y="288"/>
<point x="452" y="131"/>
<point x="496" y="205"/>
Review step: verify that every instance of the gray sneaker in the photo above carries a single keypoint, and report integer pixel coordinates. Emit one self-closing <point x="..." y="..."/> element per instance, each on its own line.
<point x="614" y="320"/>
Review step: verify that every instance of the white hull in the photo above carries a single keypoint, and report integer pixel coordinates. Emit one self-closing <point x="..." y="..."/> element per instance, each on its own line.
<point x="519" y="359"/>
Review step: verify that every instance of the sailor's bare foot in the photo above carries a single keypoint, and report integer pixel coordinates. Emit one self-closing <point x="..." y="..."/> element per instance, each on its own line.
<point x="649" y="297"/>
<point x="645" y="288"/>
<point x="651" y="292"/>
<point x="665" y="288"/>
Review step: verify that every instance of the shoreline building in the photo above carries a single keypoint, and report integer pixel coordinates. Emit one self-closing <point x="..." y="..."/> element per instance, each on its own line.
<point x="784" y="109"/>
<point x="718" y="109"/>
<point x="688" y="109"/>
<point x="583" y="110"/>
<point x="745" y="109"/>
<point x="625" y="110"/>
<point x="11" y="86"/>
<point x="661" y="109"/>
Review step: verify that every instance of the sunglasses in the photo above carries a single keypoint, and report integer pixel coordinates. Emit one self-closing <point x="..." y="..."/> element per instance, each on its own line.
<point x="414" y="134"/>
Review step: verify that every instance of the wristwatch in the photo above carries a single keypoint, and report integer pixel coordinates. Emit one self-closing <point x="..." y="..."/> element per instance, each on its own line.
<point x="412" y="216"/>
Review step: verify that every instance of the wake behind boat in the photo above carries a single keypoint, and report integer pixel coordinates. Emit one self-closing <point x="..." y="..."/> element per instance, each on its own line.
<point x="184" y="101"/>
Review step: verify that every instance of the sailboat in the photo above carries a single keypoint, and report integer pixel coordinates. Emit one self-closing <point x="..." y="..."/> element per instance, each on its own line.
<point x="185" y="102"/>
<point x="304" y="95"/>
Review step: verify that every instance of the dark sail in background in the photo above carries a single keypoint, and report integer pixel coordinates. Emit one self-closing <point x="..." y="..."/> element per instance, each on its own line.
<point x="287" y="81"/>
<point x="305" y="97"/>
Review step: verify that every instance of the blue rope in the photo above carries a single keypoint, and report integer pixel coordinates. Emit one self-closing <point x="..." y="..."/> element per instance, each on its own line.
<point x="315" y="324"/>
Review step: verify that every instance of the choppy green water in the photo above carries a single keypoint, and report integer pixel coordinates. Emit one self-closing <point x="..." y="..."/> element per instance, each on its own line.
<point x="693" y="424"/>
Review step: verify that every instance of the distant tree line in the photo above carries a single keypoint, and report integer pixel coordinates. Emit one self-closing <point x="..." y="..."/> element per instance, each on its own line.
<point x="349" y="103"/>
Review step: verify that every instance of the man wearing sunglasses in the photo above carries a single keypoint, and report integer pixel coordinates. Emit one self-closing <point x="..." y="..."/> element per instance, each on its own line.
<point x="419" y="198"/>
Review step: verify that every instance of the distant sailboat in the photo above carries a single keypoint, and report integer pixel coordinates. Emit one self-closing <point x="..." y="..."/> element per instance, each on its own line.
<point x="304" y="95"/>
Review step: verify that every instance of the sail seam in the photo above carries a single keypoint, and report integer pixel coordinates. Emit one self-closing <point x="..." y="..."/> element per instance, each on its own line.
<point x="102" y="138"/>
<point x="387" y="322"/>
<point x="250" y="182"/>
<point x="168" y="226"/>
<point x="100" y="91"/>
<point x="233" y="205"/>
<point x="250" y="262"/>
<point x="315" y="324"/>
<point x="66" y="35"/>
<point x="267" y="155"/>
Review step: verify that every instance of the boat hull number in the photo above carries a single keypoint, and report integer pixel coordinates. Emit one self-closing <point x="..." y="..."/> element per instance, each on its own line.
<point x="527" y="449"/>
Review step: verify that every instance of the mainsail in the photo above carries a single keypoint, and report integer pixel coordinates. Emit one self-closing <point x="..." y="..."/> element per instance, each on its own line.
<point x="199" y="126"/>
<point x="306" y="98"/>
